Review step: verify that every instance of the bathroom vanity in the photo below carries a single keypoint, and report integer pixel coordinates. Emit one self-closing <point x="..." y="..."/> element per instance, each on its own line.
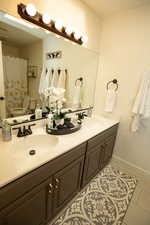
<point x="41" y="173"/>
<point x="36" y="194"/>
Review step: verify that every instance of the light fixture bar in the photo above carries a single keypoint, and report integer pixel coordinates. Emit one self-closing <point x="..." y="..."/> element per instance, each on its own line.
<point x="38" y="20"/>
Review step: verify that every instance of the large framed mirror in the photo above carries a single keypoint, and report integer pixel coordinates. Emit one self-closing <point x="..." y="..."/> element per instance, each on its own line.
<point x="33" y="59"/>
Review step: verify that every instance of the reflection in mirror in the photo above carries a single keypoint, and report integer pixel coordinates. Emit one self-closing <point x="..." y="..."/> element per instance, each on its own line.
<point x="39" y="68"/>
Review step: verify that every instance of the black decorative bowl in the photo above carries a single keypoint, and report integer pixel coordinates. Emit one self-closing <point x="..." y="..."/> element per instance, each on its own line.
<point x="63" y="131"/>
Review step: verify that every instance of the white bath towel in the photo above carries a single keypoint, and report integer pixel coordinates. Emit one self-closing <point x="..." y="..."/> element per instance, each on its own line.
<point x="61" y="79"/>
<point x="44" y="81"/>
<point x="54" y="78"/>
<point x="110" y="100"/>
<point x="141" y="108"/>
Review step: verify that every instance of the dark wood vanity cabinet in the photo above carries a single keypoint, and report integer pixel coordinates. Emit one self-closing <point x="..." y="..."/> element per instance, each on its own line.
<point x="37" y="197"/>
<point x="47" y="199"/>
<point x="99" y="153"/>
<point x="40" y="204"/>
<point x="29" y="209"/>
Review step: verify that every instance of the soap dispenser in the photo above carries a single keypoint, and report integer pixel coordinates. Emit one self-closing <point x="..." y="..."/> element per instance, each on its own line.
<point x="6" y="131"/>
<point x="38" y="112"/>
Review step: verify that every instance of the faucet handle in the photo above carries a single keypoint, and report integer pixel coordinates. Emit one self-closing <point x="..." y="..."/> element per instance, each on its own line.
<point x="29" y="128"/>
<point x="25" y="131"/>
<point x="20" y="133"/>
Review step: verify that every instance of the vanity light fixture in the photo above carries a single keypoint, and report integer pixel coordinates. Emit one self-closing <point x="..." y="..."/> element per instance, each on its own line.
<point x="46" y="18"/>
<point x="30" y="9"/>
<point x="30" y="14"/>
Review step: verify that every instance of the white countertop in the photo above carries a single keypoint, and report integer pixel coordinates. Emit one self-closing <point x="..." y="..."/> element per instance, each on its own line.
<point x="15" y="160"/>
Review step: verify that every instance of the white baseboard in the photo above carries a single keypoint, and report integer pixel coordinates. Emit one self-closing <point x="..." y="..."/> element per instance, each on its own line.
<point x="132" y="168"/>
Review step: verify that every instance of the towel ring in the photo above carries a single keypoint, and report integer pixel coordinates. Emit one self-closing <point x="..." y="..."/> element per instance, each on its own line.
<point x="79" y="79"/>
<point x="114" y="81"/>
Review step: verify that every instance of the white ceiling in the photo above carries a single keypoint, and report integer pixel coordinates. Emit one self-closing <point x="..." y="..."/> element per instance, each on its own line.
<point x="108" y="7"/>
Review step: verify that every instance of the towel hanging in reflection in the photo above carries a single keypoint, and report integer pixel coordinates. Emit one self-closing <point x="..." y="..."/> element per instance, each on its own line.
<point x="77" y="93"/>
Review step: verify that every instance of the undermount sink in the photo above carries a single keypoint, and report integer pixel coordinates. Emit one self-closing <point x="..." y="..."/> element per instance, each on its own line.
<point x="40" y="143"/>
<point x="41" y="140"/>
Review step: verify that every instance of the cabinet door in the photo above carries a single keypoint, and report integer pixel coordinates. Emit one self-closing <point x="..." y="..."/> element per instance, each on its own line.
<point x="67" y="183"/>
<point x="49" y="213"/>
<point x="92" y="164"/>
<point x="30" y="209"/>
<point x="107" y="148"/>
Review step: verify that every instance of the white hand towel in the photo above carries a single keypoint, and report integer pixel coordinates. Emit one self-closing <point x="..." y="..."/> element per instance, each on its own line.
<point x="41" y="85"/>
<point x="44" y="81"/>
<point x="61" y="79"/>
<point x="141" y="108"/>
<point x="110" y="100"/>
<point x="77" y="97"/>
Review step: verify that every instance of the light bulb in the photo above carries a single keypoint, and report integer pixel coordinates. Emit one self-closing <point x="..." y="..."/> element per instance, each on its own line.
<point x="68" y="30"/>
<point x="46" y="18"/>
<point x="84" y="39"/>
<point x="30" y="9"/>
<point x="58" y="24"/>
<point x="77" y="35"/>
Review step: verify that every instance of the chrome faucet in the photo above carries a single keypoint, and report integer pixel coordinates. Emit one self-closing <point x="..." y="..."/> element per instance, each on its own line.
<point x="89" y="112"/>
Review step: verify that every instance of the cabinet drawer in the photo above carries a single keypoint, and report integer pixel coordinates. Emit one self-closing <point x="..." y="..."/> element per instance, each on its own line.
<point x="100" y="137"/>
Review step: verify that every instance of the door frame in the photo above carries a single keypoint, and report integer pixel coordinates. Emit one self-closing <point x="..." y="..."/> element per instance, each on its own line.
<point x="2" y="86"/>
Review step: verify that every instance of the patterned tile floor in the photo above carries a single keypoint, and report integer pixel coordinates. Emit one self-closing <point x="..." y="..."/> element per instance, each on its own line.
<point x="103" y="202"/>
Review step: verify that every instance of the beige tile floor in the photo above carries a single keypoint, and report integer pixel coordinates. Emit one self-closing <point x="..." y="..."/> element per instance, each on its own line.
<point x="138" y="212"/>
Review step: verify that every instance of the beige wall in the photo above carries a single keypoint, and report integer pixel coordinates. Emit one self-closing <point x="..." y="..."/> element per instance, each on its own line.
<point x="125" y="55"/>
<point x="72" y="12"/>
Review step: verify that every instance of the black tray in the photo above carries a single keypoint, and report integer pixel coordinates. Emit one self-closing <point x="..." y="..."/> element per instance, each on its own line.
<point x="63" y="131"/>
